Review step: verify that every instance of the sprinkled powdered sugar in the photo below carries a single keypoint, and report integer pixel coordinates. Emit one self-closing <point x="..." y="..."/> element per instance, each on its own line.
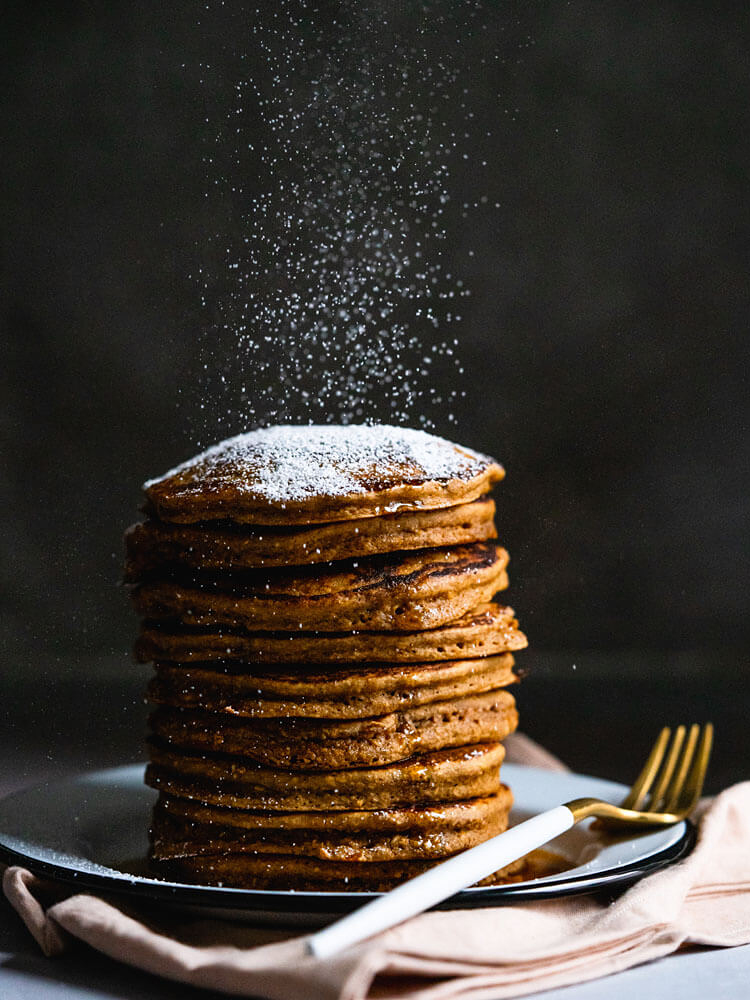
<point x="329" y="265"/>
<point x="291" y="463"/>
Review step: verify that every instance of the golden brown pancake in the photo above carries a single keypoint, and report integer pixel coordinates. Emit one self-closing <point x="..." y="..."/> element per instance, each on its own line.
<point x="487" y="630"/>
<point x="417" y="590"/>
<point x="309" y="475"/>
<point x="154" y="545"/>
<point x="428" y="818"/>
<point x="456" y="773"/>
<point x="311" y="875"/>
<point x="334" y="744"/>
<point x="288" y="871"/>
<point x="355" y="692"/>
<point x="182" y="828"/>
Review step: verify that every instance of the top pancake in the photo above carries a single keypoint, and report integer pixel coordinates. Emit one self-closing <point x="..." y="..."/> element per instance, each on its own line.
<point x="317" y="474"/>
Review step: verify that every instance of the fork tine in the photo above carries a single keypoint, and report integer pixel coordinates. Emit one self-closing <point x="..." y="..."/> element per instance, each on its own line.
<point x="693" y="787"/>
<point x="636" y="795"/>
<point x="674" y="788"/>
<point x="657" y="795"/>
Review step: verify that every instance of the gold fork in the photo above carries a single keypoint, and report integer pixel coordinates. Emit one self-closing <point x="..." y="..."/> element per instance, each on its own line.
<point x="665" y="792"/>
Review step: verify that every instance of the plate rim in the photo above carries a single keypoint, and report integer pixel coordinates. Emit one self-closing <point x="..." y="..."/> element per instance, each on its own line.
<point x="230" y="898"/>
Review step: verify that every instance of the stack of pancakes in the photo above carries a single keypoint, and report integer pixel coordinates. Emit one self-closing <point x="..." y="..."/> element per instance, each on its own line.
<point x="331" y="675"/>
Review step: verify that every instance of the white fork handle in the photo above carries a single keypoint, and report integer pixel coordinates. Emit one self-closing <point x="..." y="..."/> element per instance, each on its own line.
<point x="440" y="882"/>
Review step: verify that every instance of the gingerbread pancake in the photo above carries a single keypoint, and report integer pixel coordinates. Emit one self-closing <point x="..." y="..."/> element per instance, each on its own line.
<point x="308" y="475"/>
<point x="355" y="692"/>
<point x="182" y="828"/>
<point x="399" y="592"/>
<point x="487" y="630"/>
<point x="304" y="874"/>
<point x="334" y="744"/>
<point x="233" y="783"/>
<point x="154" y="546"/>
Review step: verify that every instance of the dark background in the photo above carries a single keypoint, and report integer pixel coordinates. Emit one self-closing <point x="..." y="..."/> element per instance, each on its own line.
<point x="605" y="347"/>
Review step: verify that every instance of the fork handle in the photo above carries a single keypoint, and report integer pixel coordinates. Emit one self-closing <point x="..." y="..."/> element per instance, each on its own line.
<point x="440" y="882"/>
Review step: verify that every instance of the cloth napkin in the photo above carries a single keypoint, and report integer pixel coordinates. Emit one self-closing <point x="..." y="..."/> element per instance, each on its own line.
<point x="487" y="953"/>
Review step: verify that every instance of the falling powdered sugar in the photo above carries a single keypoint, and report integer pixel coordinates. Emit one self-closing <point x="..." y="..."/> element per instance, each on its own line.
<point x="331" y="287"/>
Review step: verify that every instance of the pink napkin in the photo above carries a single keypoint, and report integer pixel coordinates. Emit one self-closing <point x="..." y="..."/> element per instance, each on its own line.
<point x="489" y="953"/>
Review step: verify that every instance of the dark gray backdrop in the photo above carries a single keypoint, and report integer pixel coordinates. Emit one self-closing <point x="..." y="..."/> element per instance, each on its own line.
<point x="605" y="343"/>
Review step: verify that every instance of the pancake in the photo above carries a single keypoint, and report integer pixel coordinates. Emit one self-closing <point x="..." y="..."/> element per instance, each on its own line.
<point x="308" y="475"/>
<point x="301" y="874"/>
<point x="153" y="545"/>
<point x="487" y="630"/>
<point x="456" y="773"/>
<point x="334" y="744"/>
<point x="468" y="814"/>
<point x="183" y="829"/>
<point x="355" y="692"/>
<point x="418" y="590"/>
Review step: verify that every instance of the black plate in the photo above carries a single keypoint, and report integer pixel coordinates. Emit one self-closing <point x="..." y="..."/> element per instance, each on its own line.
<point x="90" y="831"/>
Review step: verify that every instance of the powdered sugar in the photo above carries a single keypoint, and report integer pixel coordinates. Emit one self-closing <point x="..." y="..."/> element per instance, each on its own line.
<point x="291" y="463"/>
<point x="333" y="260"/>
